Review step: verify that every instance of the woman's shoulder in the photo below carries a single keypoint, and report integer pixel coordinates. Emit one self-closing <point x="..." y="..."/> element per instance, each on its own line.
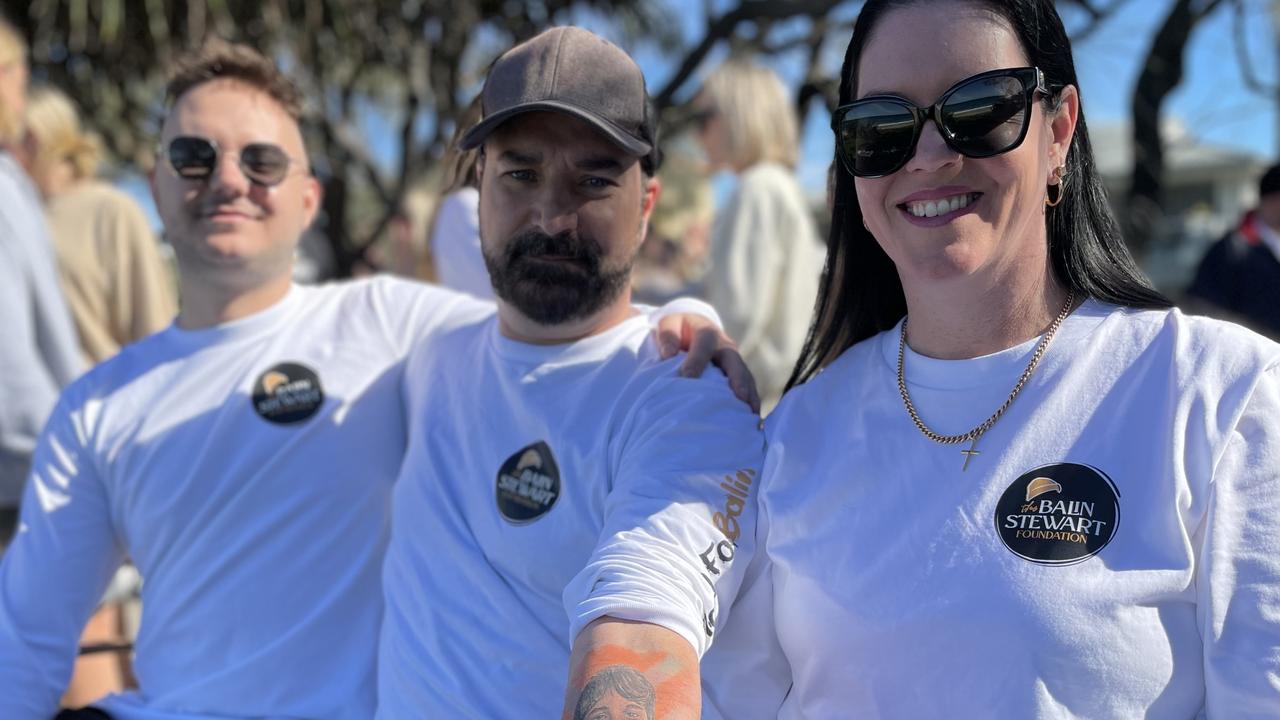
<point x="1201" y="349"/>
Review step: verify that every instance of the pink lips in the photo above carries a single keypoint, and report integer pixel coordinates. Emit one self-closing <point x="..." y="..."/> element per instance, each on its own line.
<point x="226" y="215"/>
<point x="938" y="194"/>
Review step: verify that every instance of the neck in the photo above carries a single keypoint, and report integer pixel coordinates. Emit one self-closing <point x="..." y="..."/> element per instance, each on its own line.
<point x="58" y="180"/>
<point x="966" y="319"/>
<point x="515" y="325"/>
<point x="206" y="304"/>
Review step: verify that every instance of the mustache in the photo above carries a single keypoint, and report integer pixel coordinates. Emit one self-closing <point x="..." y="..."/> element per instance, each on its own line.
<point x="535" y="243"/>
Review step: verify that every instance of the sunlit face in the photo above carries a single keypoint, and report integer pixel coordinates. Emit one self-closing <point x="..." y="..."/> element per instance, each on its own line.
<point x="562" y="214"/>
<point x="226" y="226"/>
<point x="917" y="53"/>
<point x="615" y="707"/>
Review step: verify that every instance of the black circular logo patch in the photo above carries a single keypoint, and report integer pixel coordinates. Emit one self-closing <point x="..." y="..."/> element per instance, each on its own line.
<point x="1058" y="514"/>
<point x="287" y="393"/>
<point x="528" y="484"/>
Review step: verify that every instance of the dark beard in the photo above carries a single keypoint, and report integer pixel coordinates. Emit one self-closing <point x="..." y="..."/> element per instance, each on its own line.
<point x="554" y="293"/>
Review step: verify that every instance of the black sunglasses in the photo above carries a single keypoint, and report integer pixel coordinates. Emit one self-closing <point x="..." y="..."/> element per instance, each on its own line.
<point x="978" y="117"/>
<point x="196" y="158"/>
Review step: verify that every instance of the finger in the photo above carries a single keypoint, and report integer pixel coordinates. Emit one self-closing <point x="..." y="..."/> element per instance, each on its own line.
<point x="701" y="348"/>
<point x="667" y="335"/>
<point x="741" y="381"/>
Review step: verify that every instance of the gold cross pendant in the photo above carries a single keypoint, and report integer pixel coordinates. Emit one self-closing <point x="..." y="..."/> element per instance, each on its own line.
<point x="968" y="454"/>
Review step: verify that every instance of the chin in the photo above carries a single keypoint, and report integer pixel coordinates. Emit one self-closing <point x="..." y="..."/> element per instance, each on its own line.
<point x="958" y="258"/>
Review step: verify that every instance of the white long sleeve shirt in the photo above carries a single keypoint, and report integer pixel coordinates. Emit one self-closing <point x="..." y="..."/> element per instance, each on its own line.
<point x="246" y="469"/>
<point x="1112" y="552"/>
<point x="545" y="487"/>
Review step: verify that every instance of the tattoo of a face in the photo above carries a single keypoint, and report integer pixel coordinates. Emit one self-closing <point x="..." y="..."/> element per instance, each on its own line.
<point x="616" y="693"/>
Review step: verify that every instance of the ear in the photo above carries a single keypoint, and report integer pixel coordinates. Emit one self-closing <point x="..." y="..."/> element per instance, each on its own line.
<point x="652" y="189"/>
<point x="312" y="196"/>
<point x="1062" y="124"/>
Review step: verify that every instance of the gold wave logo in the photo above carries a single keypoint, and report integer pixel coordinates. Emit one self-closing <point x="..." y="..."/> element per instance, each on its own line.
<point x="273" y="380"/>
<point x="1040" y="486"/>
<point x="530" y="459"/>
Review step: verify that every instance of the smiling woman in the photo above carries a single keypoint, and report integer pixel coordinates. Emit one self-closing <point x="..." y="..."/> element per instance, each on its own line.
<point x="1007" y="480"/>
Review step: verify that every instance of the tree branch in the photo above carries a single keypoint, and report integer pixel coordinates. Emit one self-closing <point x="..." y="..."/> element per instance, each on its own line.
<point x="724" y="27"/>
<point x="1239" y="29"/>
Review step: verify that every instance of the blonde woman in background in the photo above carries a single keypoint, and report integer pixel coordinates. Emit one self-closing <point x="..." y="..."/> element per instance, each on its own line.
<point x="116" y="283"/>
<point x="765" y="253"/>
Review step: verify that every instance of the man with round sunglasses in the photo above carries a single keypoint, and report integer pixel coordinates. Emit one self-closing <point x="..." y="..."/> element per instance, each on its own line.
<point x="243" y="458"/>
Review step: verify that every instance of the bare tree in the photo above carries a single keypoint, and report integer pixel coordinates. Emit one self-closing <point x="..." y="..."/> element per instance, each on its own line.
<point x="1161" y="73"/>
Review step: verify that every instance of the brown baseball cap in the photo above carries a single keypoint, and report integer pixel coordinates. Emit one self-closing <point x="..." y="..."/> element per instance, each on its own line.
<point x="573" y="71"/>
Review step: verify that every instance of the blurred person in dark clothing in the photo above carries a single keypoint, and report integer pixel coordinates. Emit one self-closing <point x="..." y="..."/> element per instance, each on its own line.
<point x="1239" y="277"/>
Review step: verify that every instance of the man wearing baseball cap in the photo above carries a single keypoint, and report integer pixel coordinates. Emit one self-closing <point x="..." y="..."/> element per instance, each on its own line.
<point x="598" y="526"/>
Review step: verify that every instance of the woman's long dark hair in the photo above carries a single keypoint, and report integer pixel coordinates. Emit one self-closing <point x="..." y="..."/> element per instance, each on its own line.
<point x="860" y="293"/>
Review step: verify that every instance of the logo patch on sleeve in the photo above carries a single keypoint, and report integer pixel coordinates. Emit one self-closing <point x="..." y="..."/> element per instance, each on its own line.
<point x="1058" y="514"/>
<point x="287" y="393"/>
<point x="528" y="484"/>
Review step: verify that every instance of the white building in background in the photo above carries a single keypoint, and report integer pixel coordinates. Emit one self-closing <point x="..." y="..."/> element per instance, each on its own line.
<point x="1206" y="189"/>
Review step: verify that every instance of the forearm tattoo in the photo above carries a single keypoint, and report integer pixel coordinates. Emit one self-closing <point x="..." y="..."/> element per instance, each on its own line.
<point x="617" y="693"/>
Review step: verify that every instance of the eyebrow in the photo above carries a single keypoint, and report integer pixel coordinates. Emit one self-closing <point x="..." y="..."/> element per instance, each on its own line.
<point x="599" y="163"/>
<point x="516" y="157"/>
<point x="593" y="163"/>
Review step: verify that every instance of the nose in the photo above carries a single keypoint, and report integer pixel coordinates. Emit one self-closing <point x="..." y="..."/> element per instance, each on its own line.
<point x="556" y="210"/>
<point x="227" y="178"/>
<point x="932" y="152"/>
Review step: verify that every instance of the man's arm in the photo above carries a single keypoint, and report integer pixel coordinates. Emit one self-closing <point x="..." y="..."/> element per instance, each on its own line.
<point x="633" y="670"/>
<point x="679" y="530"/>
<point x="54" y="572"/>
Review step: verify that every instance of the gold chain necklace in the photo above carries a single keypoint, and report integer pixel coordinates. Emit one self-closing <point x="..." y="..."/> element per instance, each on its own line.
<point x="976" y="433"/>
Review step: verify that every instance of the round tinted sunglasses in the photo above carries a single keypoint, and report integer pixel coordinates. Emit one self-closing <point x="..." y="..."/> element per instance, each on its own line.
<point x="978" y="117"/>
<point x="196" y="158"/>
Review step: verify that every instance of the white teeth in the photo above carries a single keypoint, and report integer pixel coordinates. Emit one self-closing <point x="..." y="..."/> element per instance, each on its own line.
<point x="934" y="208"/>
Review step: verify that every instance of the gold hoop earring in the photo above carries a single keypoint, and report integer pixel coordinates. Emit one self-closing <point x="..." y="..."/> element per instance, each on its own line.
<point x="1050" y="199"/>
<point x="1055" y="200"/>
